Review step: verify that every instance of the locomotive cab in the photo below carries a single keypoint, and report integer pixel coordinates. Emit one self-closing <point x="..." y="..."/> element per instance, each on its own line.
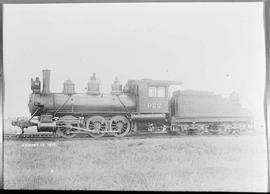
<point x="152" y="103"/>
<point x="152" y="96"/>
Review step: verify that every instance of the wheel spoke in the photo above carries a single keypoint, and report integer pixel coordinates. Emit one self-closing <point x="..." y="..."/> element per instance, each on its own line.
<point x="96" y="124"/>
<point x="120" y="125"/>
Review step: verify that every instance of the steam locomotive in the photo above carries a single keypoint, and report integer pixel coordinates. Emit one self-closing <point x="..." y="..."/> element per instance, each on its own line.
<point x="142" y="105"/>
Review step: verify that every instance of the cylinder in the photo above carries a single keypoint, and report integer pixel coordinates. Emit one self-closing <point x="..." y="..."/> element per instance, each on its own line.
<point x="46" y="127"/>
<point x="46" y="80"/>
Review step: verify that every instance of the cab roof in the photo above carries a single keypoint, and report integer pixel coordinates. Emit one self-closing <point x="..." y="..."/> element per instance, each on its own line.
<point x="155" y="82"/>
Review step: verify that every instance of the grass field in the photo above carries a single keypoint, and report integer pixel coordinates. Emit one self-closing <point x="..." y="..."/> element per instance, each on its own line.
<point x="216" y="163"/>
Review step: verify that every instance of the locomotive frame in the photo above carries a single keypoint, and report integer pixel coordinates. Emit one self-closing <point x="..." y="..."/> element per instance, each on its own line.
<point x="95" y="122"/>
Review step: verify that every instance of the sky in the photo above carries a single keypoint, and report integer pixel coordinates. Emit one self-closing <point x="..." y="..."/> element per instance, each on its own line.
<point x="217" y="47"/>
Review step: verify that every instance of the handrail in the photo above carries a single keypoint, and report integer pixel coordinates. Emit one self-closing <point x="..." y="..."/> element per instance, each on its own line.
<point x="123" y="105"/>
<point x="61" y="106"/>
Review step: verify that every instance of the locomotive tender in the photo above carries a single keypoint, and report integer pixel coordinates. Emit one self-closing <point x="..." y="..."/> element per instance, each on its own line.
<point x="141" y="105"/>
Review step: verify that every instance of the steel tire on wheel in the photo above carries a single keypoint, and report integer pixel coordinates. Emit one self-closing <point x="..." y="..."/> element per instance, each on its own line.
<point x="121" y="124"/>
<point x="98" y="123"/>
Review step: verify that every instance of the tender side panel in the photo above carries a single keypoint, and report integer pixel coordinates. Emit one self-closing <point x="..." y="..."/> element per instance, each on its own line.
<point x="209" y="119"/>
<point x="203" y="104"/>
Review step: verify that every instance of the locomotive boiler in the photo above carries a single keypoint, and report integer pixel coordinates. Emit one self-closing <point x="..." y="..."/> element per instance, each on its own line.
<point x="141" y="105"/>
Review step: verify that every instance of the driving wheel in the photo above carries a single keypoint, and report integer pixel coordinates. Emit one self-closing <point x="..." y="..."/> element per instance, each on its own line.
<point x="98" y="125"/>
<point x="120" y="124"/>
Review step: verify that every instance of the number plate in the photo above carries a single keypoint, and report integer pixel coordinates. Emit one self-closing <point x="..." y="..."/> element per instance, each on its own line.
<point x="154" y="105"/>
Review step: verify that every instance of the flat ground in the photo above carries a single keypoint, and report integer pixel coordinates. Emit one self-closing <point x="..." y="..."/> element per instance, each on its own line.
<point x="193" y="163"/>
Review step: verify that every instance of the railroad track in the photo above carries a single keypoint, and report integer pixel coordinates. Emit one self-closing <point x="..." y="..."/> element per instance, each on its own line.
<point x="54" y="137"/>
<point x="30" y="136"/>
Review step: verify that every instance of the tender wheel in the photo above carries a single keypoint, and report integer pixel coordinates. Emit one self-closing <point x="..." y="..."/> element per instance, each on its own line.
<point x="65" y="132"/>
<point x="183" y="130"/>
<point x="120" y="124"/>
<point x="96" y="124"/>
<point x="234" y="132"/>
<point x="175" y="130"/>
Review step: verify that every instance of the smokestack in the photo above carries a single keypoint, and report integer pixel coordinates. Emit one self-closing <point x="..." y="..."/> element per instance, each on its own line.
<point x="46" y="80"/>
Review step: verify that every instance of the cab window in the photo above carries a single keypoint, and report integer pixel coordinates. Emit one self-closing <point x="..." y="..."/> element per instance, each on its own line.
<point x="161" y="92"/>
<point x="156" y="92"/>
<point x="152" y="91"/>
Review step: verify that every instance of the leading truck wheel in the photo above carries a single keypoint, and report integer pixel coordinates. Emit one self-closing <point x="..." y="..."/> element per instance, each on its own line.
<point x="97" y="124"/>
<point x="65" y="132"/>
<point x="120" y="124"/>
